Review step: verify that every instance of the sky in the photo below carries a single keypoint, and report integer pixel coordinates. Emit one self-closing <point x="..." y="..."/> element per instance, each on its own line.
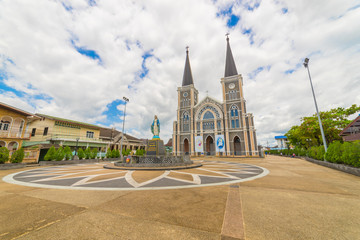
<point x="77" y="59"/>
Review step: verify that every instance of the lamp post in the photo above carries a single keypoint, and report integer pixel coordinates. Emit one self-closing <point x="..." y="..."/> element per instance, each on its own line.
<point x="306" y="65"/>
<point x="122" y="133"/>
<point x="76" y="157"/>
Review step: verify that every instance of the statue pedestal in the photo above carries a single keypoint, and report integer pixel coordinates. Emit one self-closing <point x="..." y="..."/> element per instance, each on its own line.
<point x="155" y="147"/>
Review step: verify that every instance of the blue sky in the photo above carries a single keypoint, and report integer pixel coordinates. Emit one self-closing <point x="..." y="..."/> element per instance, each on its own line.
<point x="77" y="59"/>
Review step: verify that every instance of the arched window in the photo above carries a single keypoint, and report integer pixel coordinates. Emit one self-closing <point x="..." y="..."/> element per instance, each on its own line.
<point x="234" y="116"/>
<point x="185" y="116"/>
<point x="5" y="123"/>
<point x="13" y="146"/>
<point x="208" y="115"/>
<point x="18" y="126"/>
<point x="185" y="122"/>
<point x="208" y="121"/>
<point x="233" y="94"/>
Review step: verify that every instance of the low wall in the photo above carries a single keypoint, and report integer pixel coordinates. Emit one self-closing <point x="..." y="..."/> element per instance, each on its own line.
<point x="337" y="166"/>
<point x="7" y="166"/>
<point x="82" y="161"/>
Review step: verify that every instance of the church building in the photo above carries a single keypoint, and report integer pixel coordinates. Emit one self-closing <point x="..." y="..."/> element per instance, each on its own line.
<point x="211" y="127"/>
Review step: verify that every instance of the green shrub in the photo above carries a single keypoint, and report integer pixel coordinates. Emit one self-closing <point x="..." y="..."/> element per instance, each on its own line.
<point x="68" y="153"/>
<point x="108" y="153"/>
<point x="334" y="152"/>
<point x="4" y="155"/>
<point x="113" y="153"/>
<point x="17" y="156"/>
<point x="139" y="152"/>
<point x="125" y="152"/>
<point x="81" y="153"/>
<point x="50" y="154"/>
<point x="317" y="152"/>
<point x="320" y="153"/>
<point x="351" y="153"/>
<point x="87" y="153"/>
<point x="60" y="154"/>
<point x="116" y="153"/>
<point x="94" y="153"/>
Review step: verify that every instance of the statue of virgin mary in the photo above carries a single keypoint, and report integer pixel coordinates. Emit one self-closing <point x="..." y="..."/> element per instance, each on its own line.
<point x="155" y="128"/>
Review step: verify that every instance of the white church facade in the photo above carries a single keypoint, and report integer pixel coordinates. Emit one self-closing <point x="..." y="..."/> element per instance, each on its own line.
<point x="211" y="127"/>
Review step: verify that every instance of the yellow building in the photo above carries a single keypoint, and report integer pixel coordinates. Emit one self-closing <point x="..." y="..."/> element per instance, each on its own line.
<point x="47" y="131"/>
<point x="13" y="128"/>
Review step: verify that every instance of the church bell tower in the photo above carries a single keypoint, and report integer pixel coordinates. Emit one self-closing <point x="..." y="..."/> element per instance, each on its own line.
<point x="183" y="137"/>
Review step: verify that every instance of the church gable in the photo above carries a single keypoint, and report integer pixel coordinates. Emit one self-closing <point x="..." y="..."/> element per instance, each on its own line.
<point x="211" y="104"/>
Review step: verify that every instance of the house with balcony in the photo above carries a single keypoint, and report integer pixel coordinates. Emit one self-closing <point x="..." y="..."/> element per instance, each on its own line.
<point x="14" y="124"/>
<point x="352" y="131"/>
<point x="47" y="131"/>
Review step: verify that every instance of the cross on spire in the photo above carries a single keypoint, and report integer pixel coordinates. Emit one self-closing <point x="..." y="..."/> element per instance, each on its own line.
<point x="187" y="78"/>
<point x="230" y="67"/>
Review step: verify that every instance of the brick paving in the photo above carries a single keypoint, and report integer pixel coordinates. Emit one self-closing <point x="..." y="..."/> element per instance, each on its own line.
<point x="295" y="200"/>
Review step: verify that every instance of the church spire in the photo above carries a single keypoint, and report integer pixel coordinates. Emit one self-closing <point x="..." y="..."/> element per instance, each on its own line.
<point x="187" y="78"/>
<point x="230" y="67"/>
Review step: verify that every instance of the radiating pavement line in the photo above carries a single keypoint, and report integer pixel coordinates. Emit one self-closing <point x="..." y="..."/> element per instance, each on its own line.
<point x="233" y="223"/>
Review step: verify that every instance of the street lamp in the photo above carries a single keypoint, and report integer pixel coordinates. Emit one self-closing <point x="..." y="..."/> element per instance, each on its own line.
<point x="306" y="65"/>
<point x="76" y="157"/>
<point x="122" y="137"/>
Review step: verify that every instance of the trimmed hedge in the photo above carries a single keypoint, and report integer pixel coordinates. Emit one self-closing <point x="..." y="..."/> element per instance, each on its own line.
<point x="346" y="153"/>
<point x="68" y="153"/>
<point x="17" y="156"/>
<point x="4" y="155"/>
<point x="81" y="153"/>
<point x="343" y="153"/>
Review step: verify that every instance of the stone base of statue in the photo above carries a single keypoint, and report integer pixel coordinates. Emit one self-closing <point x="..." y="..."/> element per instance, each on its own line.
<point x="155" y="147"/>
<point x="155" y="159"/>
<point x="165" y="162"/>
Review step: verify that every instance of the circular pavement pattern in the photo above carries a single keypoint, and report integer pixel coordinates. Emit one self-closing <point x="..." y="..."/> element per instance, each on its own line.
<point x="95" y="177"/>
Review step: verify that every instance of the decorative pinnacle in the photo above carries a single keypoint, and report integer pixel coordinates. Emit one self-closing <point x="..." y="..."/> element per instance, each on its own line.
<point x="187" y="49"/>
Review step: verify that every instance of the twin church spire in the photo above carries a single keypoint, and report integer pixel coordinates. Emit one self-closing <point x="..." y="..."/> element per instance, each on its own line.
<point x="187" y="78"/>
<point x="230" y="67"/>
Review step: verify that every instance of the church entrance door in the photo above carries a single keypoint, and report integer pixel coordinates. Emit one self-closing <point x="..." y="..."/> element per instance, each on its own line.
<point x="210" y="146"/>
<point x="237" y="146"/>
<point x="186" y="146"/>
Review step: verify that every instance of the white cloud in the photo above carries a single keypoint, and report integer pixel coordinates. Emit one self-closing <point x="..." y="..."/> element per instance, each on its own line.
<point x="36" y="36"/>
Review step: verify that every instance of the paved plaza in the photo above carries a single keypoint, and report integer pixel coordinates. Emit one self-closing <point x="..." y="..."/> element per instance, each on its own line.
<point x="227" y="198"/>
<point x="96" y="177"/>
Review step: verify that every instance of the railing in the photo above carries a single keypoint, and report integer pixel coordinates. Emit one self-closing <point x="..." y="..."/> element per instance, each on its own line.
<point x="13" y="134"/>
<point x="72" y="138"/>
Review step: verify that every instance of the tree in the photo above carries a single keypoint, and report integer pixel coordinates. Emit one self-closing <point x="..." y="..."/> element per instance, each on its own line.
<point x="17" y="156"/>
<point x="87" y="153"/>
<point x="116" y="153"/>
<point x="108" y="153"/>
<point x="60" y="154"/>
<point x="4" y="155"/>
<point x="68" y="153"/>
<point x="50" y="154"/>
<point x="81" y="153"/>
<point x="334" y="152"/>
<point x="139" y="152"/>
<point x="94" y="153"/>
<point x="125" y="152"/>
<point x="308" y="133"/>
